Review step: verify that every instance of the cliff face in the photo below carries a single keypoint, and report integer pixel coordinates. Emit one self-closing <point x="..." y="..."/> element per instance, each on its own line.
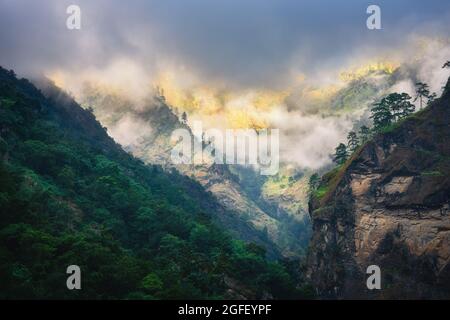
<point x="388" y="206"/>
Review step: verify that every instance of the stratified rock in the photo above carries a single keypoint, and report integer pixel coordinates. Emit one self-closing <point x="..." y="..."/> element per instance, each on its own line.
<point x="388" y="206"/>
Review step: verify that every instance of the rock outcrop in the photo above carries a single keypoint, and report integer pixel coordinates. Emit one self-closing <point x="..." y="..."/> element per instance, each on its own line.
<point x="388" y="206"/>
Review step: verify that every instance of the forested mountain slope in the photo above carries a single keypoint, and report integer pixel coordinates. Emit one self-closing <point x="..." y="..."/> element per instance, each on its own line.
<point x="249" y="216"/>
<point x="69" y="195"/>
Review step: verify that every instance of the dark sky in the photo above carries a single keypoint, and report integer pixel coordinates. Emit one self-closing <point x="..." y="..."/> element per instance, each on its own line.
<point x="245" y="42"/>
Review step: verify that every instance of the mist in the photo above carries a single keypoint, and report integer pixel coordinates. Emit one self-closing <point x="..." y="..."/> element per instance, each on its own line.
<point x="230" y="64"/>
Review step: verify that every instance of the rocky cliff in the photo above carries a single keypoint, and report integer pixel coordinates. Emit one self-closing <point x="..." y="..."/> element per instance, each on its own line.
<point x="388" y="206"/>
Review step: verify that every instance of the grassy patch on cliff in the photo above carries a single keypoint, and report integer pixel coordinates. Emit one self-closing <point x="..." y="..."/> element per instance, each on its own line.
<point x="331" y="180"/>
<point x="432" y="173"/>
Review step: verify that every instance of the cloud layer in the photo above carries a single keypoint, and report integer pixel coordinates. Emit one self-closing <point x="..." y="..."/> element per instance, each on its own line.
<point x="237" y="43"/>
<point x="228" y="63"/>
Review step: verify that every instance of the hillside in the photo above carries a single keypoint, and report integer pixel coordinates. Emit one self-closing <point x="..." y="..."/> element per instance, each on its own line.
<point x="250" y="215"/>
<point x="268" y="210"/>
<point x="70" y="195"/>
<point x="388" y="205"/>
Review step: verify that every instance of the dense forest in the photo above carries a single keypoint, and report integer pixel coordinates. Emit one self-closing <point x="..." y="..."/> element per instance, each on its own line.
<point x="69" y="195"/>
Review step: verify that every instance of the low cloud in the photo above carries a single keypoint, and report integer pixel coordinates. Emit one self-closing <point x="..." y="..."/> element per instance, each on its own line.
<point x="307" y="141"/>
<point x="230" y="64"/>
<point x="130" y="131"/>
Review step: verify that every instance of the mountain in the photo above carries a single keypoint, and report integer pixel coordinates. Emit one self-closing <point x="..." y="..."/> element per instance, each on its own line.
<point x="254" y="210"/>
<point x="388" y="205"/>
<point x="70" y="195"/>
<point x="268" y="210"/>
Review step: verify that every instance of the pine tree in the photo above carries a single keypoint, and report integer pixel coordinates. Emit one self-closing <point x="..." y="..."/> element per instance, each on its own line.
<point x="341" y="154"/>
<point x="313" y="181"/>
<point x="184" y="117"/>
<point x="431" y="98"/>
<point x="422" y="92"/>
<point x="406" y="107"/>
<point x="352" y="141"/>
<point x="392" y="100"/>
<point x="381" y="114"/>
<point x="398" y="105"/>
<point x="364" y="134"/>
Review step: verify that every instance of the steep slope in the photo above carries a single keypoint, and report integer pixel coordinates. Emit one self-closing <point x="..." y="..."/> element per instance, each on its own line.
<point x="70" y="195"/>
<point x="388" y="206"/>
<point x="284" y="197"/>
<point x="247" y="216"/>
<point x="271" y="211"/>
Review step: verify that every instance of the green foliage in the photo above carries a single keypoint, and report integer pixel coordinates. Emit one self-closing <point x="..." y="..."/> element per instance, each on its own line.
<point x="321" y="191"/>
<point x="385" y="114"/>
<point x="341" y="154"/>
<point x="352" y="141"/>
<point x="422" y="91"/>
<point x="313" y="182"/>
<point x="364" y="134"/>
<point x="326" y="182"/>
<point x="435" y="173"/>
<point x="381" y="114"/>
<point x="152" y="283"/>
<point x="399" y="105"/>
<point x="391" y="108"/>
<point x="70" y="195"/>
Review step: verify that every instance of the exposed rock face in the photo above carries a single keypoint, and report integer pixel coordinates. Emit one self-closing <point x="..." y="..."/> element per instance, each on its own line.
<point x="388" y="206"/>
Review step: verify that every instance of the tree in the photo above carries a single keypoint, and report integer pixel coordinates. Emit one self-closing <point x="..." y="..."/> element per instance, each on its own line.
<point x="340" y="155"/>
<point x="422" y="92"/>
<point x="352" y="141"/>
<point x="313" y="181"/>
<point x="184" y="117"/>
<point x="406" y="107"/>
<point x="160" y="93"/>
<point x="364" y="134"/>
<point x="399" y="105"/>
<point x="446" y="65"/>
<point x="381" y="114"/>
<point x="431" y="98"/>
<point x="152" y="283"/>
<point x="391" y="108"/>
